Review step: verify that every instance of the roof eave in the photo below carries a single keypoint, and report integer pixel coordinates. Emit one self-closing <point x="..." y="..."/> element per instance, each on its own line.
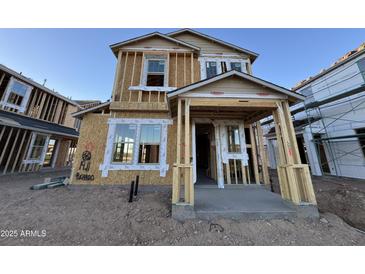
<point x="115" y="46"/>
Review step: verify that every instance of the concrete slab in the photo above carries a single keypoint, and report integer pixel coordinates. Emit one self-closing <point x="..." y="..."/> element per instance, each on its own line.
<point x="241" y="202"/>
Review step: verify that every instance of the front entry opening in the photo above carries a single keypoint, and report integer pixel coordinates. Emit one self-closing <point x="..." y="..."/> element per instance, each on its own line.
<point x="205" y="155"/>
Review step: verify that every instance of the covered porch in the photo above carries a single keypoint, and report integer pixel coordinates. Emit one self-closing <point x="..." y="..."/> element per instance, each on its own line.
<point x="233" y="104"/>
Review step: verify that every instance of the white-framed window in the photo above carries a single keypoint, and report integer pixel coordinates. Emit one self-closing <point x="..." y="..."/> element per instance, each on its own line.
<point x="212" y="66"/>
<point x="236" y="66"/>
<point x="211" y="69"/>
<point x="136" y="144"/>
<point x="37" y="148"/>
<point x="155" y="71"/>
<point x="16" y="95"/>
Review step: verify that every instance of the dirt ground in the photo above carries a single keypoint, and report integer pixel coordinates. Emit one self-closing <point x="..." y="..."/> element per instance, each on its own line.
<point x="344" y="197"/>
<point x="94" y="215"/>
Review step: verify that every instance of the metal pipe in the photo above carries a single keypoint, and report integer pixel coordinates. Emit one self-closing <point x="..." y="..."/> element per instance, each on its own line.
<point x="136" y="187"/>
<point x="131" y="192"/>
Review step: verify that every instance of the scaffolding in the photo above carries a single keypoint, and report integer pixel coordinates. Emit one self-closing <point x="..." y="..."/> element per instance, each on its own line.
<point x="339" y="146"/>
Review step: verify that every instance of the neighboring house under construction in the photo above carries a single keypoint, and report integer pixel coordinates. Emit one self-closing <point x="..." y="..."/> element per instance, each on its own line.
<point x="37" y="130"/>
<point x="330" y="123"/>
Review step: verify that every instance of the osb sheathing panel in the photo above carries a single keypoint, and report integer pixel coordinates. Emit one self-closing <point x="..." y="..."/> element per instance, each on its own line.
<point x="93" y="134"/>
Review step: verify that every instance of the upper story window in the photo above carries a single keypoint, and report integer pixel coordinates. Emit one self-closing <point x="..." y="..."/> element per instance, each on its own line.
<point x="212" y="66"/>
<point x="211" y="69"/>
<point x="236" y="66"/>
<point x="16" y="95"/>
<point x="155" y="72"/>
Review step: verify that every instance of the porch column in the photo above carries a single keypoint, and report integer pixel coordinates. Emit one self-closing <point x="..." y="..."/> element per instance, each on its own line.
<point x="188" y="179"/>
<point x="294" y="178"/>
<point x="176" y="168"/>
<point x="183" y="170"/>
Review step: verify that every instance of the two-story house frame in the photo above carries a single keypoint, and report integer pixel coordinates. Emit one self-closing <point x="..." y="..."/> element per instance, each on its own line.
<point x="37" y="130"/>
<point x="184" y="111"/>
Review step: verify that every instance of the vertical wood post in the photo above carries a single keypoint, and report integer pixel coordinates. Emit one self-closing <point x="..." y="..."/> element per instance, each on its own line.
<point x="254" y="155"/>
<point x="187" y="174"/>
<point x="264" y="165"/>
<point x="176" y="171"/>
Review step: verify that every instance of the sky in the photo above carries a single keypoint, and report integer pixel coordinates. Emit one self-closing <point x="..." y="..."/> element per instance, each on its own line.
<point x="78" y="63"/>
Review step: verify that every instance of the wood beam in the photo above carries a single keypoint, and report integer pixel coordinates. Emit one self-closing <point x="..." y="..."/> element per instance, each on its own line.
<point x="123" y="79"/>
<point x="263" y="158"/>
<point x="249" y="103"/>
<point x="187" y="176"/>
<point x="176" y="171"/>
<point x="254" y="155"/>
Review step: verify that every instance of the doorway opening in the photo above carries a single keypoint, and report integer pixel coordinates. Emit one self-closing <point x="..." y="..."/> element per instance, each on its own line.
<point x="206" y="168"/>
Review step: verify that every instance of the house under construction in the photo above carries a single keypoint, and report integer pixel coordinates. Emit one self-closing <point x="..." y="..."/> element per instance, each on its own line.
<point x="37" y="130"/>
<point x="330" y="124"/>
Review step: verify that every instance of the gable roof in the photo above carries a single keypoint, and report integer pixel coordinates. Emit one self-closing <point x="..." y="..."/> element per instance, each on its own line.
<point x="91" y="109"/>
<point x="253" y="55"/>
<point x="152" y="34"/>
<point x="239" y="74"/>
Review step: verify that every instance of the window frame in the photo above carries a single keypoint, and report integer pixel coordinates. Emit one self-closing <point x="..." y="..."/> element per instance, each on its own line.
<point x="108" y="164"/>
<point x="28" y="160"/>
<point x="219" y="60"/>
<point x="134" y="143"/>
<point x="159" y="144"/>
<point x="22" y="107"/>
<point x="148" y="58"/>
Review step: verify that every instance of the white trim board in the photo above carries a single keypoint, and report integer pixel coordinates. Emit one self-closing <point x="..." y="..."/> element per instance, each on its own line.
<point x="146" y="88"/>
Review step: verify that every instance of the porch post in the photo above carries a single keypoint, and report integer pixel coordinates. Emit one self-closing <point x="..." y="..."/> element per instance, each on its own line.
<point x="176" y="169"/>
<point x="189" y="186"/>
<point x="294" y="178"/>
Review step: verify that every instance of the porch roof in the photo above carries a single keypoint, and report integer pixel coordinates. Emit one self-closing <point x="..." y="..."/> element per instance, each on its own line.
<point x="294" y="96"/>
